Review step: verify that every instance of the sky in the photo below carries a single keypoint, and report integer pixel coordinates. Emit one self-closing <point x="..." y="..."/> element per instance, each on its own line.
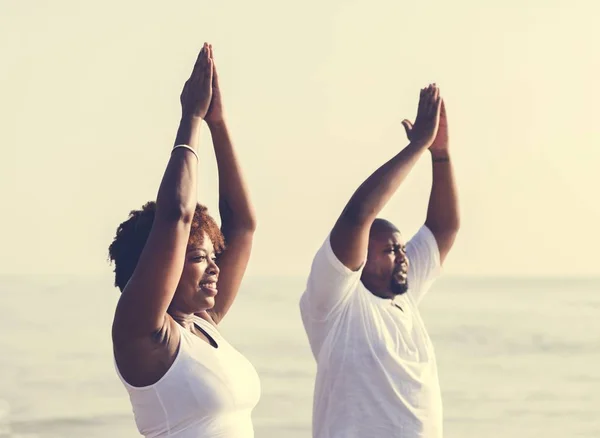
<point x="314" y="92"/>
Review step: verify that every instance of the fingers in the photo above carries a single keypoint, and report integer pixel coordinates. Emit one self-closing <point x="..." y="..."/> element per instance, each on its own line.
<point x="208" y="73"/>
<point x="207" y="63"/>
<point x="215" y="73"/>
<point x="436" y="102"/>
<point x="199" y="63"/>
<point x="432" y="101"/>
<point x="435" y="98"/>
<point x="202" y="63"/>
<point x="437" y="110"/>
<point x="428" y="97"/>
<point x="203" y="70"/>
<point x="427" y="101"/>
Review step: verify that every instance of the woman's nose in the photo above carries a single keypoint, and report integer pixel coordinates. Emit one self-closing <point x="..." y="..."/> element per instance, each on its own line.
<point x="213" y="267"/>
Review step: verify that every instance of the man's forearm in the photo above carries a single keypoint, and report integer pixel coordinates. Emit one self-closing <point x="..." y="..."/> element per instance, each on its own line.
<point x="373" y="194"/>
<point x="443" y="214"/>
<point x="234" y="198"/>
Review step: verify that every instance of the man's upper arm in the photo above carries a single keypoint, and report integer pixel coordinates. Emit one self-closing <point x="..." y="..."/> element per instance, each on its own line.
<point x="424" y="258"/>
<point x="349" y="241"/>
<point x="330" y="282"/>
<point x="445" y="241"/>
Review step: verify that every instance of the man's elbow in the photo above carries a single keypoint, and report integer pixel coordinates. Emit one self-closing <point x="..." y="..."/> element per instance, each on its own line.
<point x="454" y="225"/>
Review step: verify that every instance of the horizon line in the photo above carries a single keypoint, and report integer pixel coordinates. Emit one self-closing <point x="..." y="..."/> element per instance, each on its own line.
<point x="250" y="276"/>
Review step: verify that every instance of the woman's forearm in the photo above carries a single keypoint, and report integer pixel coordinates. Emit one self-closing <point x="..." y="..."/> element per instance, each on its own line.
<point x="177" y="193"/>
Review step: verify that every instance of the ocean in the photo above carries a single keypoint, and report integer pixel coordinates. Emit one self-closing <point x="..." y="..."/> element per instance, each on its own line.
<point x="517" y="358"/>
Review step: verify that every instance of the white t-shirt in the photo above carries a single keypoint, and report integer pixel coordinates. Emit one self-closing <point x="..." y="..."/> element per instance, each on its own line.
<point x="376" y="369"/>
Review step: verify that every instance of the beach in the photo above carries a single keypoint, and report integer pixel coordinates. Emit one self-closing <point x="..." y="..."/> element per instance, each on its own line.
<point x="517" y="357"/>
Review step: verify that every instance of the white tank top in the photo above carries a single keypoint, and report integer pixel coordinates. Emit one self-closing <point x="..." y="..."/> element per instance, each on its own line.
<point x="208" y="392"/>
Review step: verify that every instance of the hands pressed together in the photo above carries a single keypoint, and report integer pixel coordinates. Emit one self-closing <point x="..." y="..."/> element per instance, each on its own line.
<point x="430" y="129"/>
<point x="201" y="98"/>
<point x="201" y="95"/>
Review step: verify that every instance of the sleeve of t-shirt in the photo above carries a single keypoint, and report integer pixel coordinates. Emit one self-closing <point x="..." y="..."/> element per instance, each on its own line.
<point x="329" y="285"/>
<point x="424" y="263"/>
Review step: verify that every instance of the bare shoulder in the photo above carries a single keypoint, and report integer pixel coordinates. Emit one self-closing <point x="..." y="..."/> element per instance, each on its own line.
<point x="145" y="360"/>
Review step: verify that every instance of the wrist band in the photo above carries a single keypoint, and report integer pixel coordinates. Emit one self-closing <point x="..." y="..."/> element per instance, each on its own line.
<point x="185" y="146"/>
<point x="441" y="160"/>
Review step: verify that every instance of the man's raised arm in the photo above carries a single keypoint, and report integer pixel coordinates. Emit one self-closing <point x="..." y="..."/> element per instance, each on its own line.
<point x="350" y="235"/>
<point x="443" y="217"/>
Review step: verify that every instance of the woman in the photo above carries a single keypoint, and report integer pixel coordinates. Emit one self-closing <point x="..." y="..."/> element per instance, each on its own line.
<point x="179" y="275"/>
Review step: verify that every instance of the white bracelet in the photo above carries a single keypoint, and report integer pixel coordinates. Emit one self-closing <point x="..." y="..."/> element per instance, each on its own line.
<point x="188" y="148"/>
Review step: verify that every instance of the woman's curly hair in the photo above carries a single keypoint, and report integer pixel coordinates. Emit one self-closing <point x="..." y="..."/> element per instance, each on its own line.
<point x="126" y="247"/>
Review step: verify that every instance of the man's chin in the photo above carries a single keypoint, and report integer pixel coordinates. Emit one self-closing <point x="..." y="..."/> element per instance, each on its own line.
<point x="399" y="288"/>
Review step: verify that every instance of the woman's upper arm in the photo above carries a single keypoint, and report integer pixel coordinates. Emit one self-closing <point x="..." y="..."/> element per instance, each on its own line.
<point x="145" y="299"/>
<point x="232" y="264"/>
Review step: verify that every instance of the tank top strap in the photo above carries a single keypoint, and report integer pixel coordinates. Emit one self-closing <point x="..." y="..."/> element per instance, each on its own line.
<point x="205" y="325"/>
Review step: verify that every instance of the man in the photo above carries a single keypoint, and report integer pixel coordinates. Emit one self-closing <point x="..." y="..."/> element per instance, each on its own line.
<point x="376" y="368"/>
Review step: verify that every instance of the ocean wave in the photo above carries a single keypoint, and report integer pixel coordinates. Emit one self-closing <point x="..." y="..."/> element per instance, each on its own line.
<point x="73" y="427"/>
<point x="493" y="341"/>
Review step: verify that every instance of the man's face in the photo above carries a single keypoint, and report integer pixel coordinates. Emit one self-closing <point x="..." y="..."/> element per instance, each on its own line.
<point x="386" y="270"/>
